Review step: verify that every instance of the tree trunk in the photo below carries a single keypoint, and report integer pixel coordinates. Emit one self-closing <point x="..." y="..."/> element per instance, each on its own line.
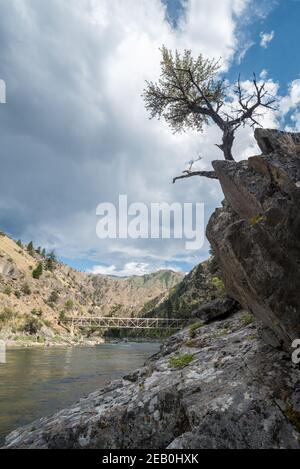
<point x="226" y="147"/>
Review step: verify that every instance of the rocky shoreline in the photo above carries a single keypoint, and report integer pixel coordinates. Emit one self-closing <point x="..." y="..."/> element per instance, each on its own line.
<point x="217" y="385"/>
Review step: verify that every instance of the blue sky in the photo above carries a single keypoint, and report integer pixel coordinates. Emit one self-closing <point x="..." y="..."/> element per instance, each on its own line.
<point x="74" y="132"/>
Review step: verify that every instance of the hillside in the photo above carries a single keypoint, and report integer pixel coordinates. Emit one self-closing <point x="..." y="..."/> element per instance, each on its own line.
<point x="32" y="308"/>
<point x="200" y="286"/>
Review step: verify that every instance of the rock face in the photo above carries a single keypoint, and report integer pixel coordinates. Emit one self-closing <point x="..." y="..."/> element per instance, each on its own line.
<point x="255" y="236"/>
<point x="227" y="389"/>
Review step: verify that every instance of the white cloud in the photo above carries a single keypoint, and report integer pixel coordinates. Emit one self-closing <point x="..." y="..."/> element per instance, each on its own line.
<point x="130" y="268"/>
<point x="266" y="38"/>
<point x="75" y="132"/>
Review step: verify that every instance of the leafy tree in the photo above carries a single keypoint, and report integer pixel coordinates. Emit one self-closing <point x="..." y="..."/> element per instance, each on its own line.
<point x="36" y="273"/>
<point x="190" y="95"/>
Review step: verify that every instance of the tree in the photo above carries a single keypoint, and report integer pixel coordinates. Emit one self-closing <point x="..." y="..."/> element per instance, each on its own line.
<point x="30" y="248"/>
<point x="190" y="95"/>
<point x="38" y="271"/>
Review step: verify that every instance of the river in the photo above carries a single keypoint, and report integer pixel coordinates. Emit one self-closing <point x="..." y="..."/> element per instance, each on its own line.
<point x="37" y="382"/>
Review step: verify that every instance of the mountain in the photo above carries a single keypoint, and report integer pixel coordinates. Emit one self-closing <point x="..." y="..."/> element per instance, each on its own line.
<point x="34" y="307"/>
<point x="200" y="286"/>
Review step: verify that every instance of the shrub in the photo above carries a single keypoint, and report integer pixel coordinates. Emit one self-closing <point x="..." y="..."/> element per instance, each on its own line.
<point x="247" y="319"/>
<point x="69" y="304"/>
<point x="26" y="289"/>
<point x="219" y="285"/>
<point x="37" y="312"/>
<point x="62" y="316"/>
<point x="194" y="328"/>
<point x="54" y="296"/>
<point x="38" y="271"/>
<point x="17" y="294"/>
<point x="7" y="290"/>
<point x="7" y="315"/>
<point x="181" y="361"/>
<point x="32" y="326"/>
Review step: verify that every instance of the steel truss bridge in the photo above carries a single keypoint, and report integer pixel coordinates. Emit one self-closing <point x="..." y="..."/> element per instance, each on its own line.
<point x="126" y="323"/>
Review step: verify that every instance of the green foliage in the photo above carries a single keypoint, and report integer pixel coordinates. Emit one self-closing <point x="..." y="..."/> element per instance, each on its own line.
<point x="219" y="285"/>
<point x="69" y="305"/>
<point x="247" y="319"/>
<point x="176" y="95"/>
<point x="37" y="312"/>
<point x="43" y="252"/>
<point x="32" y="325"/>
<point x="38" y="271"/>
<point x="53" y="297"/>
<point x="30" y="248"/>
<point x="255" y="220"/>
<point x="193" y="329"/>
<point x="7" y="290"/>
<point x="19" y="243"/>
<point x="26" y="289"/>
<point x="7" y="315"/>
<point x="18" y="294"/>
<point x="62" y="316"/>
<point x="181" y="361"/>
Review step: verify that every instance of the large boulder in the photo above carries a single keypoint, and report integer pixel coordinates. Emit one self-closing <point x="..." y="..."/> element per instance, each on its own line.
<point x="255" y="235"/>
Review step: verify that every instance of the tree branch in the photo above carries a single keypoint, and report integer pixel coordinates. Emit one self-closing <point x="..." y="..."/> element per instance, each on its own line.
<point x="189" y="174"/>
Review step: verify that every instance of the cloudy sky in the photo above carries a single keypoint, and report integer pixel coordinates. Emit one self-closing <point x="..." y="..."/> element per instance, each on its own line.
<point x="74" y="132"/>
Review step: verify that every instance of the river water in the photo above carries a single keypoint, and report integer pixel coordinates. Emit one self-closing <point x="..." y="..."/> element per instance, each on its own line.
<point x="37" y="382"/>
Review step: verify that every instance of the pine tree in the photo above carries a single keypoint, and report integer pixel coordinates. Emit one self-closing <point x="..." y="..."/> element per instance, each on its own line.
<point x="30" y="248"/>
<point x="36" y="273"/>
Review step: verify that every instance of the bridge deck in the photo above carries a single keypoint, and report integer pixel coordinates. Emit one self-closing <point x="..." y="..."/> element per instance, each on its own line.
<point x="126" y="323"/>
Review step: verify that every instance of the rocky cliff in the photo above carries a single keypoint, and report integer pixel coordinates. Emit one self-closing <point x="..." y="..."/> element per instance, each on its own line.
<point x="255" y="236"/>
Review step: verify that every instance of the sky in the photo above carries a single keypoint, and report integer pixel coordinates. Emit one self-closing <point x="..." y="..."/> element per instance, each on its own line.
<point x="74" y="131"/>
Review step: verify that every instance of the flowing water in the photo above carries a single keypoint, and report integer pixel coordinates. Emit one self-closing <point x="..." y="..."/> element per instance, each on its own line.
<point x="37" y="382"/>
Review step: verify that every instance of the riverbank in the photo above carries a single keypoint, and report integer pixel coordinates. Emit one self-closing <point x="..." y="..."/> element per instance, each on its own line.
<point x="212" y="386"/>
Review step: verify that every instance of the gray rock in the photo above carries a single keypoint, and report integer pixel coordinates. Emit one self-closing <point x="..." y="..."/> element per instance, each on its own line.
<point x="236" y="392"/>
<point x="218" y="308"/>
<point x="255" y="236"/>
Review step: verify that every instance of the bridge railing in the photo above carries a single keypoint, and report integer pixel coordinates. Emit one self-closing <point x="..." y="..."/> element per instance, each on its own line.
<point x="126" y="323"/>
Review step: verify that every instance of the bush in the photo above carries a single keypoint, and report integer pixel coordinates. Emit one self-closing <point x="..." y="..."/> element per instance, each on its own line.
<point x="37" y="312"/>
<point x="181" y="360"/>
<point x="69" y="304"/>
<point x="26" y="289"/>
<point x="219" y="285"/>
<point x="54" y="296"/>
<point x="194" y="328"/>
<point x="247" y="319"/>
<point x="7" y="315"/>
<point x="36" y="273"/>
<point x="62" y="316"/>
<point x="32" y="326"/>
<point x="7" y="290"/>
<point x="17" y="294"/>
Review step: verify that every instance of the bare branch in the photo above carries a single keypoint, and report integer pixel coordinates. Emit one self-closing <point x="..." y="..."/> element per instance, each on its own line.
<point x="189" y="174"/>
